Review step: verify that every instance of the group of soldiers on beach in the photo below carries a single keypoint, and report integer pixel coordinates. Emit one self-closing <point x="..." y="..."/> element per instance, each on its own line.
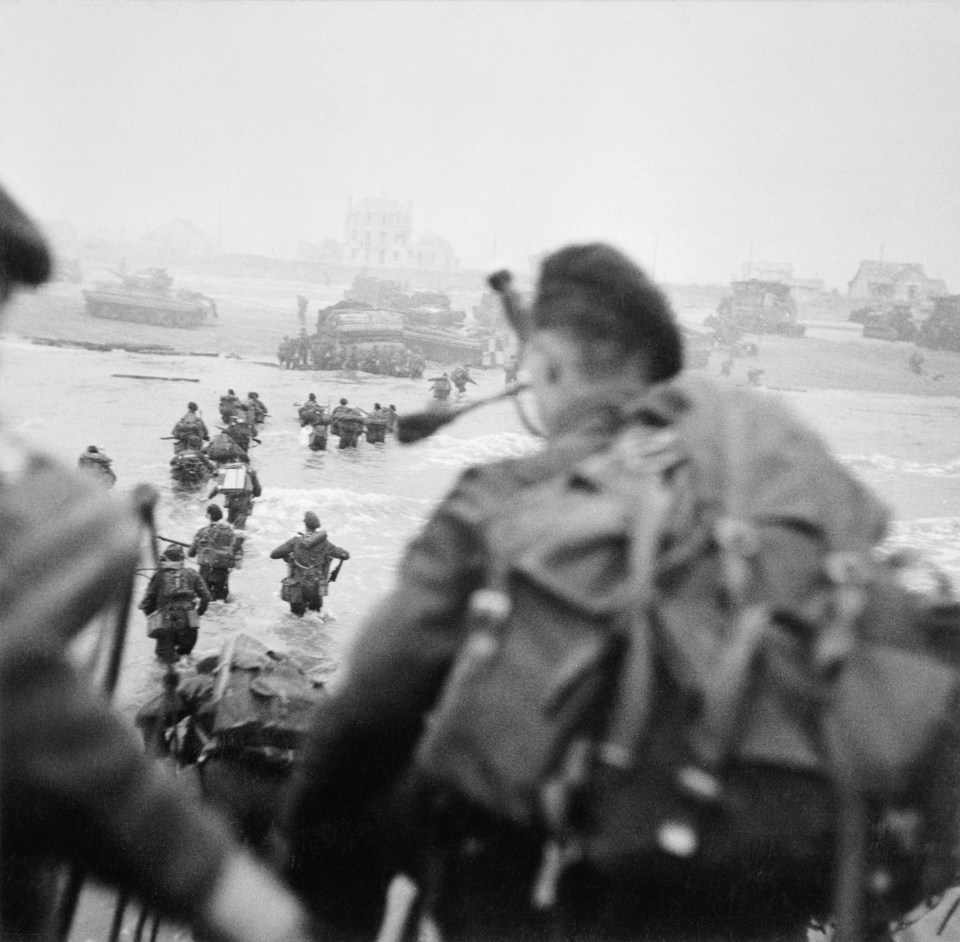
<point x="651" y="681"/>
<point x="319" y="352"/>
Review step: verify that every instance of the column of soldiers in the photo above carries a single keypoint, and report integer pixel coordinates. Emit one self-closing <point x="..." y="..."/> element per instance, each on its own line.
<point x="76" y="789"/>
<point x="318" y="352"/>
<point x="593" y="706"/>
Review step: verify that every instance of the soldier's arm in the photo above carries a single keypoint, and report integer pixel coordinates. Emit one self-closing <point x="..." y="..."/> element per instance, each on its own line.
<point x="338" y="553"/>
<point x="284" y="550"/>
<point x="194" y="546"/>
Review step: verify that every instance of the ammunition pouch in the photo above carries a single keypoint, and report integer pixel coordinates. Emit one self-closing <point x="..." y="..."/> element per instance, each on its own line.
<point x="291" y="590"/>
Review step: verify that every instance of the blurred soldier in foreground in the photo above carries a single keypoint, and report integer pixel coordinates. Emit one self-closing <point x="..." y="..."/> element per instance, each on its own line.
<point x="97" y="461"/>
<point x="75" y="786"/>
<point x="217" y="547"/>
<point x="308" y="557"/>
<point x="169" y="596"/>
<point x="509" y="604"/>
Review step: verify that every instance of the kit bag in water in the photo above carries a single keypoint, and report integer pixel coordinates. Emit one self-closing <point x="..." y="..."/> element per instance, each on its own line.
<point x="689" y="653"/>
<point x="291" y="590"/>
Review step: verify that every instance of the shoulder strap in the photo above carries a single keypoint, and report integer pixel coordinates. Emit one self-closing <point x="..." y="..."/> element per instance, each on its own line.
<point x="642" y="460"/>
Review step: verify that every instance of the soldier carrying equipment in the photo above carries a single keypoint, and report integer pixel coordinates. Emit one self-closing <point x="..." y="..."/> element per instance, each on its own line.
<point x="189" y="426"/>
<point x="651" y="681"/>
<point x="218" y="549"/>
<point x="172" y="620"/>
<point x="308" y="557"/>
<point x="239" y="485"/>
<point x="313" y="414"/>
<point x="440" y="387"/>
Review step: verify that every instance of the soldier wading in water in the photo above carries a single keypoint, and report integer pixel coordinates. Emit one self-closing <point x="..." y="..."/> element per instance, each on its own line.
<point x="308" y="557"/>
<point x="75" y="786"/>
<point x="217" y="547"/>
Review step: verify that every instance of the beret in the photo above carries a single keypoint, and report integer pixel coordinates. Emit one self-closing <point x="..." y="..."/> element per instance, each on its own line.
<point x="594" y="291"/>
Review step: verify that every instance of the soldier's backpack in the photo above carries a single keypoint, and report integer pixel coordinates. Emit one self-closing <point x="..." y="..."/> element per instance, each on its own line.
<point x="217" y="547"/>
<point x="688" y="652"/>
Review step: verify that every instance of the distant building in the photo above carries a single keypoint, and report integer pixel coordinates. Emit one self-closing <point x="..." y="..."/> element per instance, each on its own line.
<point x="894" y="281"/>
<point x="434" y="253"/>
<point x="378" y="233"/>
<point x="768" y="271"/>
<point x="179" y="238"/>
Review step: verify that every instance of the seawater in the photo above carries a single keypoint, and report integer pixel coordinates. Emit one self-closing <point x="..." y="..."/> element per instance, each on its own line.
<point x="371" y="500"/>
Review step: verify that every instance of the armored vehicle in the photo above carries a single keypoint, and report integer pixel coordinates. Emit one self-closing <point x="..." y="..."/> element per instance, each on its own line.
<point x="758" y="307"/>
<point x="148" y="298"/>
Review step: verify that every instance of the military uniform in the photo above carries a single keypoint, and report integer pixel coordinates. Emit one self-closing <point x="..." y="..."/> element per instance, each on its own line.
<point x="73" y="780"/>
<point x="603" y="350"/>
<point x="190" y="424"/>
<point x="75" y="786"/>
<point x="356" y="780"/>
<point x="216" y="547"/>
<point x="308" y="557"/>
<point x="171" y="591"/>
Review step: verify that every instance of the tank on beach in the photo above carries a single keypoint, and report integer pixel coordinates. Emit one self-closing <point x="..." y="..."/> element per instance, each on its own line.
<point x="148" y="298"/>
<point x="355" y="323"/>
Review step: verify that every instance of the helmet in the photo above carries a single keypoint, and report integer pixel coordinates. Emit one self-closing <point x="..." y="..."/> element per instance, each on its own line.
<point x="311" y="520"/>
<point x="174" y="554"/>
<point x="312" y="397"/>
<point x="214" y="512"/>
<point x="92" y="449"/>
<point x="343" y="402"/>
<point x="192" y="406"/>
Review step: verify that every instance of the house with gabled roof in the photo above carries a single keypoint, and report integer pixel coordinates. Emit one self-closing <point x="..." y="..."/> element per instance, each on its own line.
<point x="894" y="281"/>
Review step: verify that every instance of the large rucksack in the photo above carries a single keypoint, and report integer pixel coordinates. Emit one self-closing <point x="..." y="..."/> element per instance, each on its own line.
<point x="217" y="547"/>
<point x="688" y="649"/>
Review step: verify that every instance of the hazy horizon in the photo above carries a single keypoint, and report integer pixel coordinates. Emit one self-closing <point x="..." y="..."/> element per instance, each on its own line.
<point x="692" y="135"/>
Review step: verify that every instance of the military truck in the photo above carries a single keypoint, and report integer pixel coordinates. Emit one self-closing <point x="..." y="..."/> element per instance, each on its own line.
<point x="148" y="298"/>
<point x="758" y="307"/>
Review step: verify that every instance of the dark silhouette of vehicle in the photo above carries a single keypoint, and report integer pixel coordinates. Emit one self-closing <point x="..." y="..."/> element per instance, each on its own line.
<point x="148" y="298"/>
<point x="894" y="322"/>
<point x="756" y="307"/>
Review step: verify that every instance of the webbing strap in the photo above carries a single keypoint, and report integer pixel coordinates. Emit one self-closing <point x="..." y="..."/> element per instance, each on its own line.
<point x="646" y="457"/>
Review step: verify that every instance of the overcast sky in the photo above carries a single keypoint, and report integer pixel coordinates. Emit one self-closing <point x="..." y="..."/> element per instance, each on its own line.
<point x="691" y="135"/>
